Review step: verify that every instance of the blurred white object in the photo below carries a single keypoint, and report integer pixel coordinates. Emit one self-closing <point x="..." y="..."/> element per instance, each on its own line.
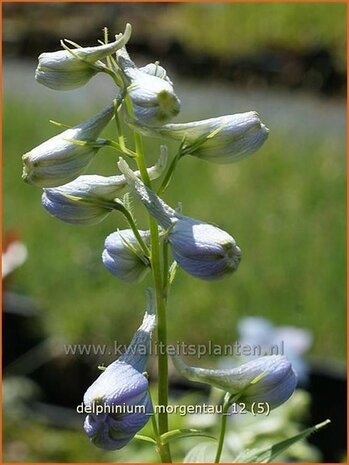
<point x="13" y="257"/>
<point x="291" y="342"/>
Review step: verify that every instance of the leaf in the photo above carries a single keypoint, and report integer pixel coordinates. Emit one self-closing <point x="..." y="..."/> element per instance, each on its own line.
<point x="201" y="453"/>
<point x="268" y="454"/>
<point x="172" y="272"/>
<point x="204" y="452"/>
<point x="60" y="125"/>
<point x="145" y="438"/>
<point x="183" y="433"/>
<point x="128" y="204"/>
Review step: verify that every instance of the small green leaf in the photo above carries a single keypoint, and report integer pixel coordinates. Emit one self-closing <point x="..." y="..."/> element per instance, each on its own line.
<point x="259" y="377"/>
<point x="215" y="132"/>
<point x="60" y="125"/>
<point x="127" y="201"/>
<point x="172" y="272"/>
<point x="87" y="143"/>
<point x="268" y="454"/>
<point x="145" y="438"/>
<point x="183" y="433"/>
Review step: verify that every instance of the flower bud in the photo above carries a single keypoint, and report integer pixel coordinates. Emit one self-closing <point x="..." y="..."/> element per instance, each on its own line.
<point x="151" y="93"/>
<point x="122" y="386"/>
<point x="76" y="210"/>
<point x="123" y="256"/>
<point x="89" y="199"/>
<point x="154" y="69"/>
<point x="202" y="250"/>
<point x="60" y="160"/>
<point x="270" y="379"/>
<point x="65" y="70"/>
<point x="225" y="139"/>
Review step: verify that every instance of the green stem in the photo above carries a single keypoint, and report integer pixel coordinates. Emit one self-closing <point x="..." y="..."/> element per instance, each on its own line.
<point x="140" y="159"/>
<point x="222" y="433"/>
<point x="228" y="401"/>
<point x="169" y="173"/>
<point x="162" y="333"/>
<point x="155" y="426"/>
<point x="164" y="449"/>
<point x="165" y="268"/>
<point x="119" y="130"/>
<point x="123" y="150"/>
<point x="134" y="228"/>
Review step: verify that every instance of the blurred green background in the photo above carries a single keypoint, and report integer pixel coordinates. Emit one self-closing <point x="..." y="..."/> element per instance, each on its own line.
<point x="285" y="205"/>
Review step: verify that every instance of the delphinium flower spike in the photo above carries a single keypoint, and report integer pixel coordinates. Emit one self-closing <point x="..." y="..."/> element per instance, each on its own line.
<point x="123" y="384"/>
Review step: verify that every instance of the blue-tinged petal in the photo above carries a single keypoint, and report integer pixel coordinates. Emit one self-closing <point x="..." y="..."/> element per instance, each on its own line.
<point x="65" y="70"/>
<point x="269" y="380"/>
<point x="59" y="160"/>
<point x="118" y="401"/>
<point x="124" y="257"/>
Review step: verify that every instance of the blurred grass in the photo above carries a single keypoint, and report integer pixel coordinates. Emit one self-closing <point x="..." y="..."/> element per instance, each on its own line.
<point x="219" y="28"/>
<point x="236" y="28"/>
<point x="285" y="206"/>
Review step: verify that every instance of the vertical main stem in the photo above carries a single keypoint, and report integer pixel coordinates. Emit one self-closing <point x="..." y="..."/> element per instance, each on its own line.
<point x="164" y="449"/>
<point x="162" y="333"/>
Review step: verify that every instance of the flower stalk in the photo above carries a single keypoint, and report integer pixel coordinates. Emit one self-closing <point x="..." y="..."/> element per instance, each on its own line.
<point x="228" y="401"/>
<point x="155" y="260"/>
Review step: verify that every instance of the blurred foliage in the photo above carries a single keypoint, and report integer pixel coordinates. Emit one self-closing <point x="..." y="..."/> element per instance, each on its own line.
<point x="285" y="206"/>
<point x="237" y="28"/>
<point x="29" y="437"/>
<point x="218" y="28"/>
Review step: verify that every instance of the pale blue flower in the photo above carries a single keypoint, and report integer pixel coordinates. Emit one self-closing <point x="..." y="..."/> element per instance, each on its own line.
<point x="59" y="160"/>
<point x="122" y="385"/>
<point x="270" y="380"/>
<point x="287" y="340"/>
<point x="89" y="199"/>
<point x="203" y="250"/>
<point x="151" y="92"/>
<point x="123" y="256"/>
<point x="224" y="139"/>
<point x="65" y="70"/>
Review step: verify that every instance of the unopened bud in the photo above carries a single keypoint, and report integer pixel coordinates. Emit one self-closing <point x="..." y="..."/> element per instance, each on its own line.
<point x="89" y="199"/>
<point x="60" y="160"/>
<point x="123" y="255"/>
<point x="66" y="70"/>
<point x="225" y="139"/>
<point x="122" y="384"/>
<point x="151" y="92"/>
<point x="270" y="380"/>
